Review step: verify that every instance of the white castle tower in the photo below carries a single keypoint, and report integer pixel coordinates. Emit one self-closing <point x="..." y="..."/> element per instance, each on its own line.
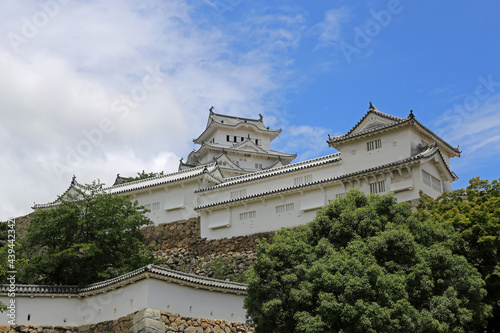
<point x="238" y="145"/>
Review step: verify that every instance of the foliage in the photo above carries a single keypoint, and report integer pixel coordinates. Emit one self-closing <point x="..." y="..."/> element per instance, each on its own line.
<point x="475" y="215"/>
<point x="144" y="175"/>
<point x="90" y="236"/>
<point x="365" y="264"/>
<point x="225" y="268"/>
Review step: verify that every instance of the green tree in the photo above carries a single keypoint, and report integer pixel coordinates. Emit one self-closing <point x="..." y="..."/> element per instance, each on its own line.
<point x="88" y="237"/>
<point x="144" y="175"/>
<point x="475" y="216"/>
<point x="365" y="264"/>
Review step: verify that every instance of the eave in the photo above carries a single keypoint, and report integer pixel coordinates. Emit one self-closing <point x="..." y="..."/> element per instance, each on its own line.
<point x="213" y="125"/>
<point x="146" y="272"/>
<point x="337" y="141"/>
<point x="260" y="175"/>
<point x="362" y="174"/>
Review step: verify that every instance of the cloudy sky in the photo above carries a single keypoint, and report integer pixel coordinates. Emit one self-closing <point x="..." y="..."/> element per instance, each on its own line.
<point x="99" y="87"/>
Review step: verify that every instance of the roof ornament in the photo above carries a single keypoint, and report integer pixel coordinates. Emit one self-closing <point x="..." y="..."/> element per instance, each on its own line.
<point x="211" y="109"/>
<point x="372" y="107"/>
<point x="73" y="180"/>
<point x="260" y="116"/>
<point x="182" y="158"/>
<point x="411" y="115"/>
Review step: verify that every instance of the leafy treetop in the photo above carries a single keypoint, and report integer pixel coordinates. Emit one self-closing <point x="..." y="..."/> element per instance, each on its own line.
<point x="88" y="237"/>
<point x="365" y="264"/>
<point x="475" y="216"/>
<point x="144" y="175"/>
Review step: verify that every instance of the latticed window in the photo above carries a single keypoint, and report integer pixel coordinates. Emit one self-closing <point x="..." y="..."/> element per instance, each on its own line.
<point x="375" y="144"/>
<point x="302" y="180"/>
<point x="377" y="187"/>
<point x="248" y="215"/>
<point x="431" y="181"/>
<point x="285" y="208"/>
<point x="238" y="194"/>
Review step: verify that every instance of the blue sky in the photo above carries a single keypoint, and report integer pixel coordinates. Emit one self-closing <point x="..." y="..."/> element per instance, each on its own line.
<point x="96" y="88"/>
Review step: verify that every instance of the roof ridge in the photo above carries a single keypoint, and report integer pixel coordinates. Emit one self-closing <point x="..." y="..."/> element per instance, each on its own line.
<point x="154" y="269"/>
<point x="162" y="176"/>
<point x="424" y="154"/>
<point x="262" y="173"/>
<point x="234" y="117"/>
<point x="373" y="109"/>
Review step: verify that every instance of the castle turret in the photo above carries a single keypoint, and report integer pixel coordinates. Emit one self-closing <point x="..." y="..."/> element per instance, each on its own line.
<point x="239" y="145"/>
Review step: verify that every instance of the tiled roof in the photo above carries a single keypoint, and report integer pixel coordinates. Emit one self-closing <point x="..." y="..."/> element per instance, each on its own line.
<point x="151" y="271"/>
<point x="216" y="119"/>
<point x="74" y="185"/>
<point x="409" y="120"/>
<point x="160" y="180"/>
<point x="234" y="121"/>
<point x="218" y="146"/>
<point x="209" y="169"/>
<point x="333" y="158"/>
<point x="429" y="151"/>
<point x="374" y="110"/>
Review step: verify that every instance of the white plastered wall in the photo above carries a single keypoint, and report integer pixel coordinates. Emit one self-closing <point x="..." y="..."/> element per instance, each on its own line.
<point x="146" y="293"/>
<point x="396" y="146"/>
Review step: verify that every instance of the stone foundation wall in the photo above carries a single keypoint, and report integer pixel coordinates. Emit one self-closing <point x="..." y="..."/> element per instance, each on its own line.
<point x="180" y="247"/>
<point x="145" y="320"/>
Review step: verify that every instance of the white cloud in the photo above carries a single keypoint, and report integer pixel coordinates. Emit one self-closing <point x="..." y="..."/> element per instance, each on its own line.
<point x="477" y="130"/>
<point x="329" y="31"/>
<point x="308" y="141"/>
<point x="62" y="83"/>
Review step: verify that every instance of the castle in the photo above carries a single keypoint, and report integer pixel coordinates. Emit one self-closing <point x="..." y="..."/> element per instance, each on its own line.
<point x="237" y="185"/>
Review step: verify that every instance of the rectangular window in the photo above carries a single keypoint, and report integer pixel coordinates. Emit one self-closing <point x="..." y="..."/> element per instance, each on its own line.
<point x="285" y="208"/>
<point x="257" y="141"/>
<point x="235" y="139"/>
<point x="148" y="207"/>
<point x="242" y="139"/>
<point x="377" y="187"/>
<point x="248" y="215"/>
<point x="227" y="138"/>
<point x="302" y="180"/>
<point x="156" y="206"/>
<point x="238" y="194"/>
<point x="431" y="181"/>
<point x="375" y="144"/>
<point x="258" y="165"/>
<point x="426" y="178"/>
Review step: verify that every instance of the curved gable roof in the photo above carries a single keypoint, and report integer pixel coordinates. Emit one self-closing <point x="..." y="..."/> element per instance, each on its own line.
<point x="216" y="120"/>
<point x="427" y="153"/>
<point x="360" y="130"/>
